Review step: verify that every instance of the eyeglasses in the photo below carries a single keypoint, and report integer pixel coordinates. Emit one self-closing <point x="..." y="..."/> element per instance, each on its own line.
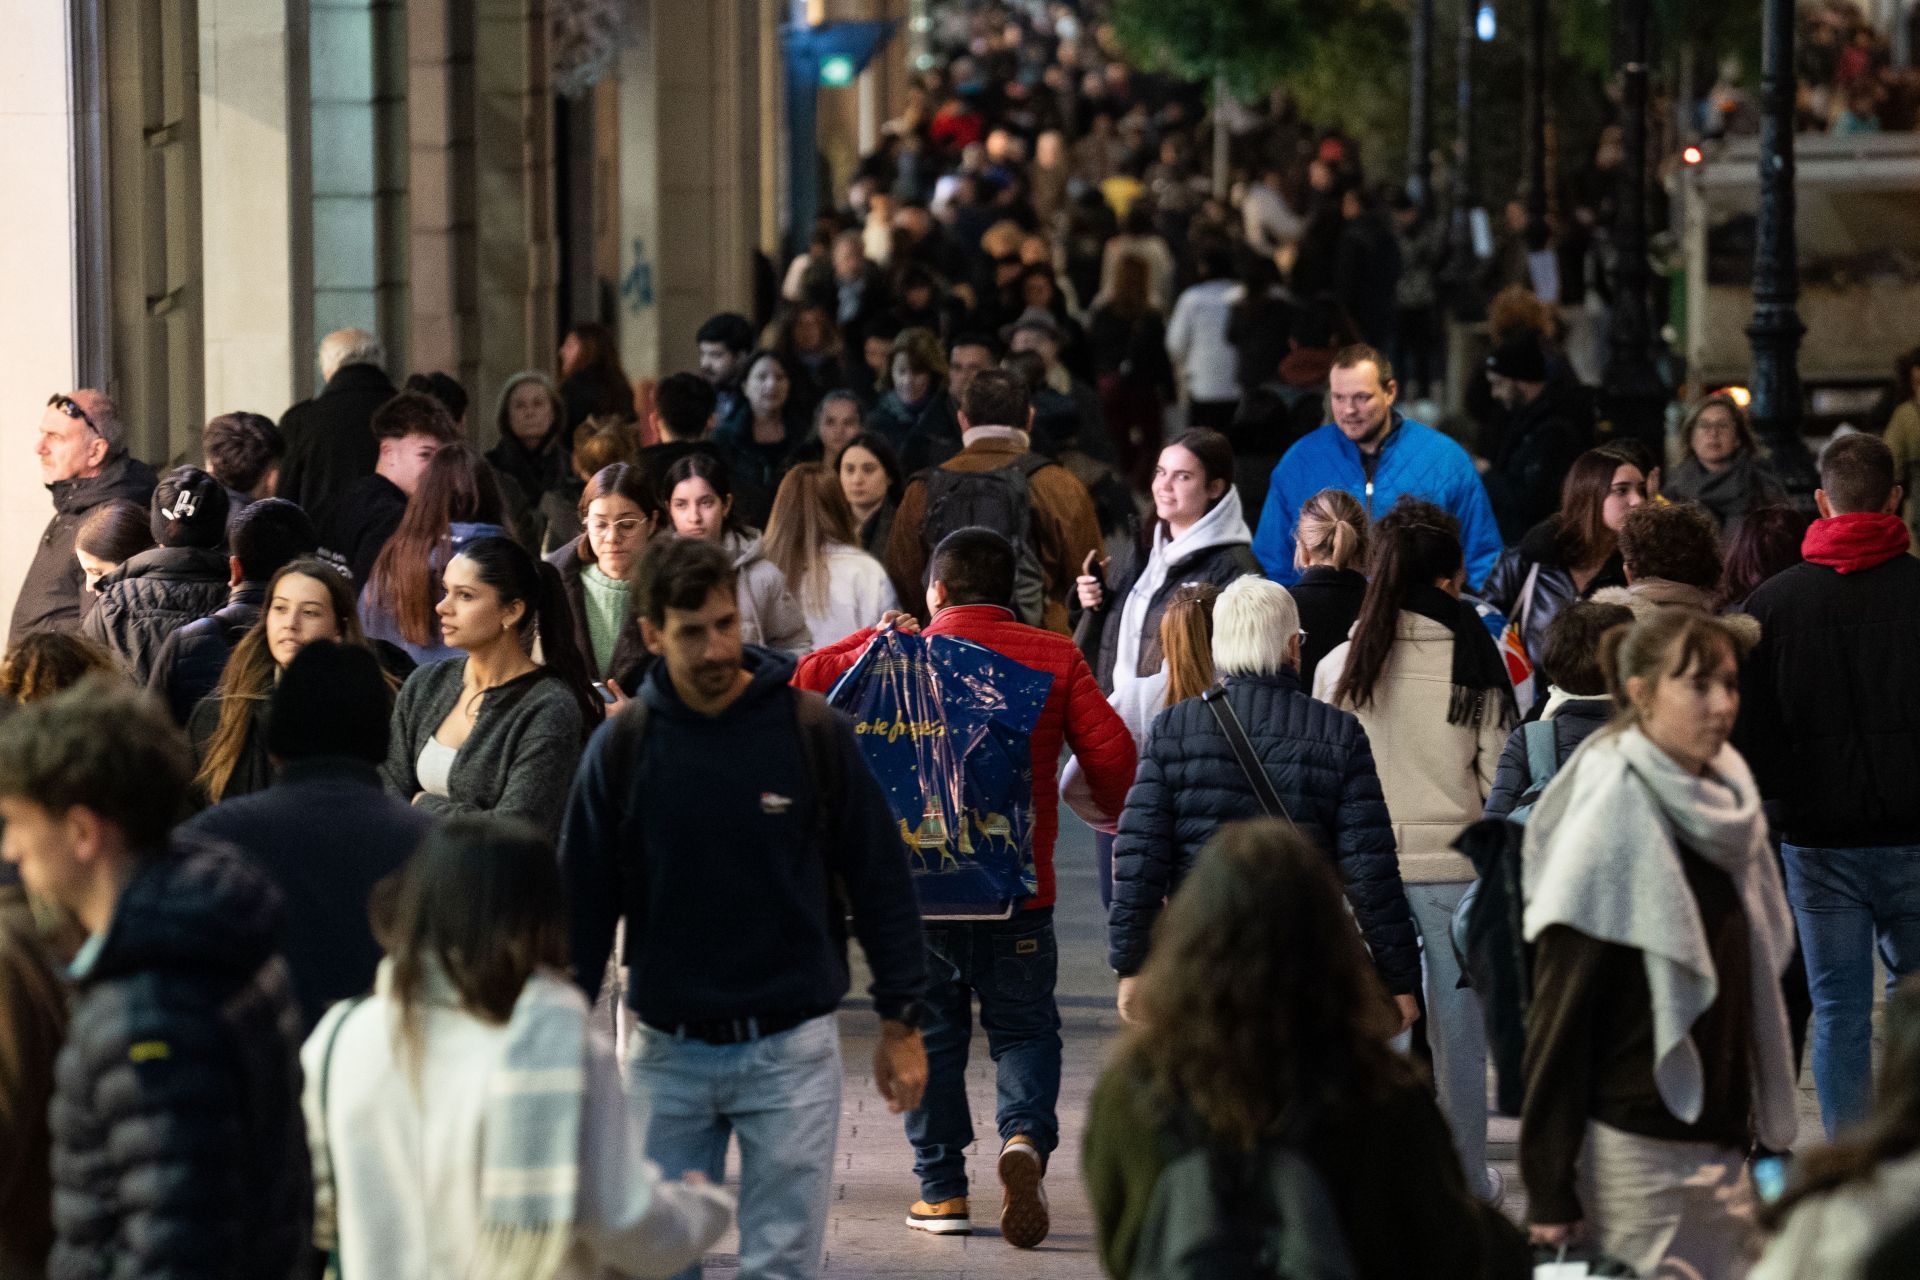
<point x="621" y="530"/>
<point x="71" y="407"/>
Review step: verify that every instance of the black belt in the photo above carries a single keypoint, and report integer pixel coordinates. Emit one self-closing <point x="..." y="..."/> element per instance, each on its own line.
<point x="734" y="1030"/>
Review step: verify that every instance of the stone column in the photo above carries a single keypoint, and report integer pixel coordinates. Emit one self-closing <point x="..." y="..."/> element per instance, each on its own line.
<point x="444" y="317"/>
<point x="41" y="261"/>
<point x="256" y="202"/>
<point x="690" y="176"/>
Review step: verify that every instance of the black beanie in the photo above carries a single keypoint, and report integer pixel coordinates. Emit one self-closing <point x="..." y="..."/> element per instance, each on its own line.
<point x="331" y="701"/>
<point x="189" y="509"/>
<point x="1520" y="359"/>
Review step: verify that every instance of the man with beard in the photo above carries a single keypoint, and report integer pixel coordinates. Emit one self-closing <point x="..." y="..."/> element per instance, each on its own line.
<point x="1376" y="455"/>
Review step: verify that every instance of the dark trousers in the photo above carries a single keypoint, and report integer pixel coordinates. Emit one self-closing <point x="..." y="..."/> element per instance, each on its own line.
<point x="1011" y="967"/>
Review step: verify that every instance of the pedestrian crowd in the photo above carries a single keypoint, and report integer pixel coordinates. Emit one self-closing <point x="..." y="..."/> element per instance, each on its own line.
<point x="426" y="859"/>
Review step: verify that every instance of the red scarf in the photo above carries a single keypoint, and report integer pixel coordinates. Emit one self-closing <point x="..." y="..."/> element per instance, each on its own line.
<point x="1856" y="541"/>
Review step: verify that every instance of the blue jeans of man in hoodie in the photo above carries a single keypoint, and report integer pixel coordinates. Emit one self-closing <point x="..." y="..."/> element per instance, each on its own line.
<point x="1011" y="966"/>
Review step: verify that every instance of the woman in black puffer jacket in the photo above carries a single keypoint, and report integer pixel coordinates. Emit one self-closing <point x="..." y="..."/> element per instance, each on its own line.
<point x="1198" y="535"/>
<point x="1317" y="758"/>
<point x="1573" y="553"/>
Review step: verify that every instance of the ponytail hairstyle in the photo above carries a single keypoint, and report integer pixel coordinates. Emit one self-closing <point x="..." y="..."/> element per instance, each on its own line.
<point x="250" y="674"/>
<point x="1215" y="455"/>
<point x="1416" y="544"/>
<point x="1186" y="641"/>
<point x="458" y="485"/>
<point x="511" y="570"/>
<point x="1333" y="527"/>
<point x="1668" y="643"/>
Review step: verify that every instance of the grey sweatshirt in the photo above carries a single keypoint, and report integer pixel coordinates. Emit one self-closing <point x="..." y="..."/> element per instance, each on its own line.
<point x="518" y="761"/>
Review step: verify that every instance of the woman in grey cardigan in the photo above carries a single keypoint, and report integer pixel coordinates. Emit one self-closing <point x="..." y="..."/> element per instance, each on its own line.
<point x="493" y="731"/>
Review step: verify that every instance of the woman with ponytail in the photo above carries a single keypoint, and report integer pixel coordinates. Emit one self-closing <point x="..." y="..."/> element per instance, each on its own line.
<point x="491" y="730"/>
<point x="1430" y="688"/>
<point x="1330" y="550"/>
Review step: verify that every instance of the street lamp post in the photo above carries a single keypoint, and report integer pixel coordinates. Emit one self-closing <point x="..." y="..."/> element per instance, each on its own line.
<point x="1536" y="139"/>
<point x="1460" y="255"/>
<point x="1776" y="328"/>
<point x="1420" y="109"/>
<point x="1634" y="396"/>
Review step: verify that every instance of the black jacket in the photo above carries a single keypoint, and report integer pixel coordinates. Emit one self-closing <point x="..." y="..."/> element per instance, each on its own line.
<point x="531" y="475"/>
<point x="150" y="597"/>
<point x="1553" y="589"/>
<point x="325" y="833"/>
<point x="631" y="661"/>
<point x="178" y="1144"/>
<point x="727" y="901"/>
<point x="365" y="516"/>
<point x="1533" y="458"/>
<point x="1329" y="601"/>
<point x="254" y="770"/>
<point x="1830" y="716"/>
<point x="51" y="597"/>
<point x="330" y="440"/>
<point x="1190" y="784"/>
<point x="1573" y="724"/>
<point x="192" y="659"/>
<point x="1098" y="633"/>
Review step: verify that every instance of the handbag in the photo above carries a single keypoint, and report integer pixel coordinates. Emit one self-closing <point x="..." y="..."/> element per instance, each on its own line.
<point x="1229" y="721"/>
<point x="333" y="1270"/>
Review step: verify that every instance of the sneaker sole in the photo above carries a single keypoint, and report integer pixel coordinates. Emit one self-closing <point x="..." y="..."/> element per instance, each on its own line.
<point x="1024" y="1221"/>
<point x="942" y="1226"/>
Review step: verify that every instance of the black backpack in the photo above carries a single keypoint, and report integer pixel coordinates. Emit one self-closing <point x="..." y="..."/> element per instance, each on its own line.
<point x="999" y="500"/>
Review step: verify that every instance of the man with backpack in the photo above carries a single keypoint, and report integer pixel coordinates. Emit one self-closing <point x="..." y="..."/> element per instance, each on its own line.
<point x="1010" y="964"/>
<point x="734" y="823"/>
<point x="997" y="482"/>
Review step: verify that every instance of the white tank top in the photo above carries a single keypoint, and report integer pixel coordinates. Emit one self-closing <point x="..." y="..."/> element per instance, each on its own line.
<point x="435" y="766"/>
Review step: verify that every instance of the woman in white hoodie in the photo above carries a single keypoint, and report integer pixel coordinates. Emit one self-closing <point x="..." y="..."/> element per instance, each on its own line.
<point x="1430" y="688"/>
<point x="1199" y="535"/>
<point x="810" y="538"/>
<point x="700" y="504"/>
<point x="1657" y="1050"/>
<point x="466" y="1122"/>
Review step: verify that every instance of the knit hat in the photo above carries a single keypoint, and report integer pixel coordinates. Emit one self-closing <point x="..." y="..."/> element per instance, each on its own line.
<point x="189" y="509"/>
<point x="1040" y="320"/>
<point x="1520" y="359"/>
<point x="330" y="701"/>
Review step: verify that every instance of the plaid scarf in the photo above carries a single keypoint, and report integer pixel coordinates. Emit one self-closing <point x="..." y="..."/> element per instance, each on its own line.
<point x="530" y="1136"/>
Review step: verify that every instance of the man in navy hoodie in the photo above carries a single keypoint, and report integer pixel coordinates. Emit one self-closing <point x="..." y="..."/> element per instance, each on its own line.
<point x="734" y="823"/>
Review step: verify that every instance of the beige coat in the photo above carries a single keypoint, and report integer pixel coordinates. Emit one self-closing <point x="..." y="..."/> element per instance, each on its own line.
<point x="1435" y="775"/>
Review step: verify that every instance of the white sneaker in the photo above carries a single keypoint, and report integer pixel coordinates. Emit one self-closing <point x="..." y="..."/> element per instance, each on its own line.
<point x="1496" y="1187"/>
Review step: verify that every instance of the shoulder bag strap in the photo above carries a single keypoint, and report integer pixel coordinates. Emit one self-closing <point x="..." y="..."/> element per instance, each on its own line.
<point x="333" y="1188"/>
<point x="1229" y="721"/>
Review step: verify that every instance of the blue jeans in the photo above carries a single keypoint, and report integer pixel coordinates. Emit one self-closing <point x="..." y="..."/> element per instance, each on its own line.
<point x="1844" y="902"/>
<point x="781" y="1096"/>
<point x="1456" y="1031"/>
<point x="1011" y="966"/>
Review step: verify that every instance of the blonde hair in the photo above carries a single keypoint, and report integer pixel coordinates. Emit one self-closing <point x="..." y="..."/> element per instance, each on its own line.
<point x="1186" y="641"/>
<point x="1254" y="623"/>
<point x="1333" y="528"/>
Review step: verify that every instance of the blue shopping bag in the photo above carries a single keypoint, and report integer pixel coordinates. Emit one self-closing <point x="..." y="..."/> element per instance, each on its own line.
<point x="946" y="726"/>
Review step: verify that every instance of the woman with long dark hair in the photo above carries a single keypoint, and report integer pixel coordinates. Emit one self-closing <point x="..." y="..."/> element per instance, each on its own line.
<point x="490" y="730"/>
<point x="1573" y="553"/>
<point x="307" y="600"/>
<point x="474" y="1066"/>
<point x="619" y="514"/>
<point x="458" y="501"/>
<point x="767" y="424"/>
<point x="1199" y="535"/>
<point x="1127" y="341"/>
<point x="1767" y="541"/>
<point x="1235" y="1051"/>
<point x="700" y="505"/>
<point x="871" y="480"/>
<point x="1430" y="688"/>
<point x="1657" y="1051"/>
<point x="591" y="378"/>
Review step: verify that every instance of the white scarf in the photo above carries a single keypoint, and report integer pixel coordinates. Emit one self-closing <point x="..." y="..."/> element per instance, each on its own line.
<point x="1224" y="525"/>
<point x="1602" y="856"/>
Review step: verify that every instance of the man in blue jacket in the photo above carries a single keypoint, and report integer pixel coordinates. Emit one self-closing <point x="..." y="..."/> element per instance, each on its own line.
<point x="1376" y="455"/>
<point x="734" y="823"/>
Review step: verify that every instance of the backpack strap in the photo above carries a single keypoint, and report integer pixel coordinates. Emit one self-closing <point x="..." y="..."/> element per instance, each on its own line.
<point x="1031" y="462"/>
<point x="1229" y="721"/>
<point x="1543" y="760"/>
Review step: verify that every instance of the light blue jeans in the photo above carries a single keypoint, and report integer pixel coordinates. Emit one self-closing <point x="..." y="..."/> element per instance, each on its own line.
<point x="1844" y="902"/>
<point x="781" y="1097"/>
<point x="1455" y="1030"/>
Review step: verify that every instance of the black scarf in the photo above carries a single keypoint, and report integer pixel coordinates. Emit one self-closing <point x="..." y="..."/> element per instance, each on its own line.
<point x="1480" y="679"/>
